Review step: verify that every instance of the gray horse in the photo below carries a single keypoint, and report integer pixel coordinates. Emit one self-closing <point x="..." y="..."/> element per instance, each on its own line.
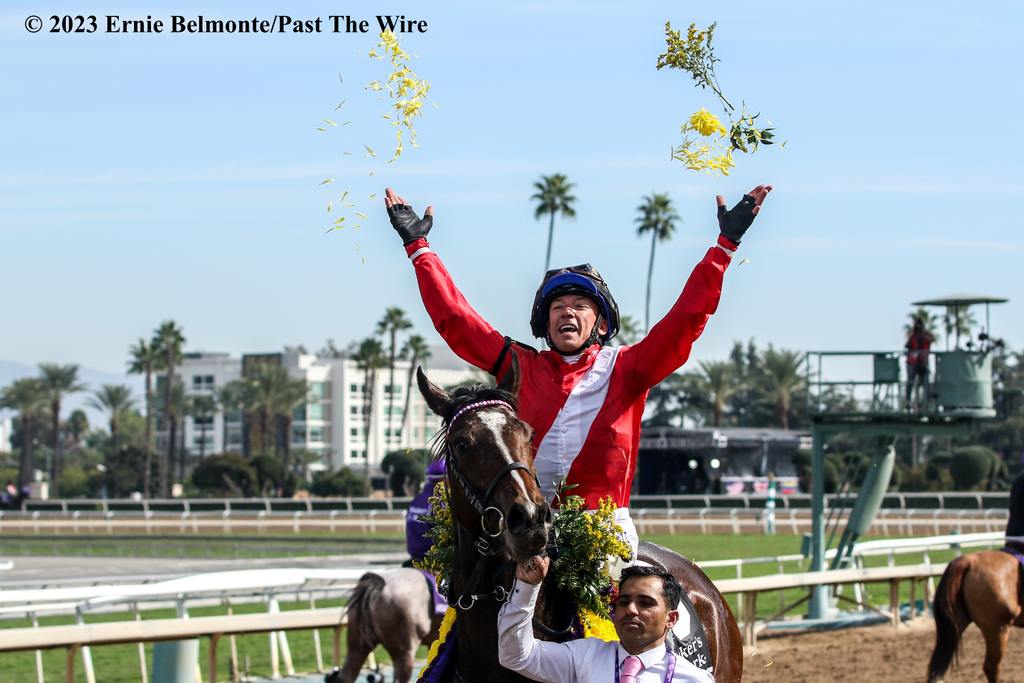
<point x="394" y="609"/>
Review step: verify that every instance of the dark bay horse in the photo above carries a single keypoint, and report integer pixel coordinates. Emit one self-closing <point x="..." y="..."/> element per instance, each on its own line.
<point x="501" y="517"/>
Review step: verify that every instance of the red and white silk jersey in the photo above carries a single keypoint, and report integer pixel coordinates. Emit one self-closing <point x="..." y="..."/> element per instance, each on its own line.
<point x="585" y="414"/>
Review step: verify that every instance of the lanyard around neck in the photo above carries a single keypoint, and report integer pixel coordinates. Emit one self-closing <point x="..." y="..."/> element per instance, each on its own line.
<point x="670" y="667"/>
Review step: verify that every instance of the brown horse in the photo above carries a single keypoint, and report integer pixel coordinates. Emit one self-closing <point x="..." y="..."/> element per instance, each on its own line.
<point x="501" y="517"/>
<point x="984" y="588"/>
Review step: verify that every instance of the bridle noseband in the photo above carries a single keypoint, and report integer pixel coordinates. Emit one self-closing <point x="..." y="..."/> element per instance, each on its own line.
<point x="471" y="493"/>
<point x="482" y="542"/>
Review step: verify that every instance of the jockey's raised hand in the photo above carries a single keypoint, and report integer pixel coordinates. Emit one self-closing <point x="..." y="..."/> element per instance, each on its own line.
<point x="533" y="570"/>
<point x="409" y="226"/>
<point x="734" y="222"/>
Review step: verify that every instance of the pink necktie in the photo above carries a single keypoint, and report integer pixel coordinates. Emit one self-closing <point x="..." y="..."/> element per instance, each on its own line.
<point x="630" y="668"/>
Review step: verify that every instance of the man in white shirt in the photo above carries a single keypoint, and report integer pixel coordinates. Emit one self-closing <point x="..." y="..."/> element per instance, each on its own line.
<point x="642" y="617"/>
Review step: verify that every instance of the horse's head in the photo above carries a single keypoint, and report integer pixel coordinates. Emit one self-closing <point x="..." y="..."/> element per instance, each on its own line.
<point x="494" y="491"/>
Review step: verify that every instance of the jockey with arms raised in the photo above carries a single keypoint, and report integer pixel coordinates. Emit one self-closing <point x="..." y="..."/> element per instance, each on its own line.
<point x="583" y="398"/>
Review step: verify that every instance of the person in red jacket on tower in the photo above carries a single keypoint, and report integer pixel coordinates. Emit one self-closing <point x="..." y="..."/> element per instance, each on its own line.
<point x="583" y="398"/>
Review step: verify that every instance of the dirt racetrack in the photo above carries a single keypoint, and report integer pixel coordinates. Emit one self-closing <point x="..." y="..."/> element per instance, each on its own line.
<point x="873" y="653"/>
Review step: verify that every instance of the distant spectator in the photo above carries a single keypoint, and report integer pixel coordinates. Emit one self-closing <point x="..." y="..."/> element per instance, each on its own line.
<point x="918" y="345"/>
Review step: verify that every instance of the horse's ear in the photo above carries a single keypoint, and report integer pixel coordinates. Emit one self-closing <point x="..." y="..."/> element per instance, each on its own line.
<point x="437" y="398"/>
<point x="510" y="382"/>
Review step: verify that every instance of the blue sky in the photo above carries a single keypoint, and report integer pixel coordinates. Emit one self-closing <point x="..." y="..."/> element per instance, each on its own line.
<point x="147" y="177"/>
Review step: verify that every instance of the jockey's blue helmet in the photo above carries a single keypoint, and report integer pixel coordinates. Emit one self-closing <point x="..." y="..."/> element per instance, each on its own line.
<point x="583" y="280"/>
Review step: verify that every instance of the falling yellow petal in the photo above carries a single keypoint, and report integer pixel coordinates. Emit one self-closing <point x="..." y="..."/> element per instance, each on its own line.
<point x="343" y="195"/>
<point x="742" y="261"/>
<point x="330" y="205"/>
<point x="361" y="215"/>
<point x="373" y="195"/>
<point x="348" y="205"/>
<point x="369" y="152"/>
<point x="340" y="105"/>
<point x="329" y="180"/>
<point x="329" y="122"/>
<point x="320" y="130"/>
<point x="348" y="154"/>
<point x="346" y="123"/>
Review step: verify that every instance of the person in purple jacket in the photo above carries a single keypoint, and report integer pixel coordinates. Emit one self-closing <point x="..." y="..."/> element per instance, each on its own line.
<point x="416" y="541"/>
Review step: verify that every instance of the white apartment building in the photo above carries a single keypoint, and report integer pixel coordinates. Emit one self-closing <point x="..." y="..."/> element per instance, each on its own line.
<point x="332" y="422"/>
<point x="6" y="429"/>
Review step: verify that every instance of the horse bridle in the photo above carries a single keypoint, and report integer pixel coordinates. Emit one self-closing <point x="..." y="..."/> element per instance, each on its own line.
<point x="469" y="491"/>
<point x="482" y="542"/>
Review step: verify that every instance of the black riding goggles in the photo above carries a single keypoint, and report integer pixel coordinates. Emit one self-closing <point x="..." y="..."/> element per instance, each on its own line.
<point x="583" y="269"/>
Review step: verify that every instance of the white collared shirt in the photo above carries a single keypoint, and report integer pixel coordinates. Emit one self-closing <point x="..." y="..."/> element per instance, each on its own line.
<point x="578" y="661"/>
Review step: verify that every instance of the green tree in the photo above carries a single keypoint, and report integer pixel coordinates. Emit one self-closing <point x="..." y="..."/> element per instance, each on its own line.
<point x="417" y="350"/>
<point x="76" y="427"/>
<point x="781" y="377"/>
<point x="927" y="318"/>
<point x="168" y="341"/>
<point x="393" y="322"/>
<point x="341" y="483"/>
<point x="973" y="467"/>
<point x="658" y="217"/>
<point x="27" y="397"/>
<point x="293" y="394"/>
<point x="202" y="408"/>
<point x="718" y="382"/>
<point x="957" y="321"/>
<point x="629" y="331"/>
<point x="58" y="382"/>
<point x="114" y="400"/>
<point x="225" y="474"/>
<point x="553" y="197"/>
<point x="405" y="469"/>
<point x="145" y="359"/>
<point x="369" y="357"/>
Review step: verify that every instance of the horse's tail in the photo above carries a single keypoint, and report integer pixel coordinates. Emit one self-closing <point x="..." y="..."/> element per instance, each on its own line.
<point x="951" y="618"/>
<point x="360" y="609"/>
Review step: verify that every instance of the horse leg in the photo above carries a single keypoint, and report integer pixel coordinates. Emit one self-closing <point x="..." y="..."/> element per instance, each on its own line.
<point x="356" y="653"/>
<point x="404" y="660"/>
<point x="995" y="648"/>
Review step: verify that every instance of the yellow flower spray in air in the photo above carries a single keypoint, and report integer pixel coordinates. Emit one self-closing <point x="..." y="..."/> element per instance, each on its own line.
<point x="406" y="89"/>
<point x="704" y="145"/>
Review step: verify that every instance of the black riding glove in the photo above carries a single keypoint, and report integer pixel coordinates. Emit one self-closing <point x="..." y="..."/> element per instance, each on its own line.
<point x="734" y="222"/>
<point x="407" y="224"/>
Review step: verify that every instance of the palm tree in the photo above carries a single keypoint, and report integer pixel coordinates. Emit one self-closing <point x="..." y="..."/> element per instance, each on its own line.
<point x="174" y="411"/>
<point x="28" y="397"/>
<point x="168" y="341"/>
<point x="58" y="381"/>
<point x="369" y="357"/>
<point x="115" y="400"/>
<point x="958" y="321"/>
<point x="717" y="380"/>
<point x="782" y="376"/>
<point x="417" y="351"/>
<point x="658" y="217"/>
<point x="263" y="388"/>
<point x="553" y="197"/>
<point x="75" y="429"/>
<point x="145" y="358"/>
<point x="393" y="322"/>
<point x="927" y="318"/>
<point x="292" y="395"/>
<point x="231" y="397"/>
<point x="202" y="407"/>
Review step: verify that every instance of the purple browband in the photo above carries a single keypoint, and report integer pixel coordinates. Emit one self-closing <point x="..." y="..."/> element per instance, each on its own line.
<point x="480" y="404"/>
